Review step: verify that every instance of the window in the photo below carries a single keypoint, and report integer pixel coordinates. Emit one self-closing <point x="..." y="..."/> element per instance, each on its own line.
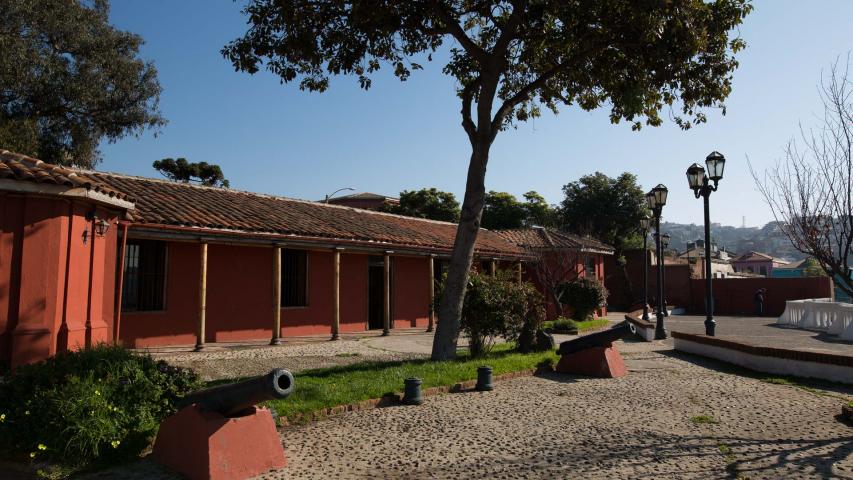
<point x="589" y="266"/>
<point x="144" y="287"/>
<point x="294" y="278"/>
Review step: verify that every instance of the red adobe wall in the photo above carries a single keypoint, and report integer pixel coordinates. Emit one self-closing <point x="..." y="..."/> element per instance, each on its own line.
<point x="51" y="280"/>
<point x="240" y="302"/>
<point x="530" y="275"/>
<point x="734" y="296"/>
<point x="410" y="305"/>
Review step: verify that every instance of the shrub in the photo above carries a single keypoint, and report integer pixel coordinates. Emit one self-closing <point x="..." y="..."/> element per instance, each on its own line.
<point x="564" y="324"/>
<point x="89" y="407"/>
<point x="584" y="295"/>
<point x="498" y="306"/>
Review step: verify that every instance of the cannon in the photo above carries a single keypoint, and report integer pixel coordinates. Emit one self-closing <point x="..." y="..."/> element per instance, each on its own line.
<point x="233" y="399"/>
<point x="604" y="338"/>
<point x="220" y="433"/>
<point x="594" y="354"/>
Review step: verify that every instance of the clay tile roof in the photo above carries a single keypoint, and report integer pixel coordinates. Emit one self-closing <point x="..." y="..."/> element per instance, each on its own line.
<point x="14" y="166"/>
<point x="547" y="238"/>
<point x="161" y="202"/>
<point x="757" y="257"/>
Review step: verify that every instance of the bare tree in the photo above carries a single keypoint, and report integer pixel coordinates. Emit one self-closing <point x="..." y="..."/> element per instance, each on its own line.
<point x="553" y="268"/>
<point x="811" y="191"/>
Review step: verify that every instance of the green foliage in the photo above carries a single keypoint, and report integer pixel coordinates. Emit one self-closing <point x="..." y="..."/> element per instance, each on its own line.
<point x="428" y="203"/>
<point x="563" y="324"/>
<point x="703" y="419"/>
<point x="89" y="407"/>
<point x="69" y="80"/>
<point x="180" y="170"/>
<point x="502" y="211"/>
<point x="811" y="268"/>
<point x="538" y="212"/>
<point x="584" y="296"/>
<point x="640" y="58"/>
<point x="606" y="208"/>
<point x="498" y="306"/>
<point x="330" y="387"/>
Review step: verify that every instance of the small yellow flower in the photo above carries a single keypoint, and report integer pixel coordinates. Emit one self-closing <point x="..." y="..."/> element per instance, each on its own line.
<point x="115" y="443"/>
<point x="32" y="454"/>
<point x="97" y="392"/>
<point x="2" y="417"/>
<point x="27" y="412"/>
<point x="42" y="446"/>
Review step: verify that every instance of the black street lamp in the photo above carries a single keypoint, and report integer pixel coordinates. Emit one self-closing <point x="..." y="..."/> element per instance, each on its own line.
<point x="645" y="223"/>
<point x="656" y="199"/>
<point x="700" y="181"/>
<point x="664" y="244"/>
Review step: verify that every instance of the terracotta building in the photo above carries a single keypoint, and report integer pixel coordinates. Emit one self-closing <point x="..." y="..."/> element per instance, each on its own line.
<point x="88" y="257"/>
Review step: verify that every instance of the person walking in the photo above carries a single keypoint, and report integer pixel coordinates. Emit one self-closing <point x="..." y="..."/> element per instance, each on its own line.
<point x="758" y="299"/>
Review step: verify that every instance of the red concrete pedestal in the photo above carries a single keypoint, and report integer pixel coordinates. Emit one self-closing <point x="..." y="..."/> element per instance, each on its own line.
<point x="206" y="445"/>
<point x="595" y="362"/>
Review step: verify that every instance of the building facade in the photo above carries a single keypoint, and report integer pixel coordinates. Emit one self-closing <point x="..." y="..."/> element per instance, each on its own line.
<point x="91" y="257"/>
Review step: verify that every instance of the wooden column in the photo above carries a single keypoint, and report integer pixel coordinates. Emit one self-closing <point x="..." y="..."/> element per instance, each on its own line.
<point x="276" y="294"/>
<point x="518" y="270"/>
<point x="202" y="298"/>
<point x="336" y="296"/>
<point x="493" y="266"/>
<point x="386" y="304"/>
<point x="431" y="293"/>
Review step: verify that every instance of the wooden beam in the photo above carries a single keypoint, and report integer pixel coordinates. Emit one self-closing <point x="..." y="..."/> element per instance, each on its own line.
<point x="386" y="307"/>
<point x="276" y="293"/>
<point x="431" y="294"/>
<point x="518" y="270"/>
<point x="202" y="298"/>
<point x="493" y="267"/>
<point x="336" y="296"/>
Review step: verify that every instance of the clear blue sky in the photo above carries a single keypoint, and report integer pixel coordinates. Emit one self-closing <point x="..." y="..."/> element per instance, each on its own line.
<point x="276" y="139"/>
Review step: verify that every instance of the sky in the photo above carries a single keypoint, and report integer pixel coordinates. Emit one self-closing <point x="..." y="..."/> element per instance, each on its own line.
<point x="276" y="139"/>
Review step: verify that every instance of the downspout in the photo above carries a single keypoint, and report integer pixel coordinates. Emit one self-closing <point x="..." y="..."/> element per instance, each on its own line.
<point x="117" y="305"/>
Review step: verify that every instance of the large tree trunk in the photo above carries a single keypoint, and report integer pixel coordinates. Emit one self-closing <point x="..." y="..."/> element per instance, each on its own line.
<point x="450" y="308"/>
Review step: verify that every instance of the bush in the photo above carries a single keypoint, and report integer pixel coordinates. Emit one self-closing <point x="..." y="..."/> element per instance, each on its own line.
<point x="585" y="296"/>
<point x="563" y="324"/>
<point x="89" y="407"/>
<point x="500" y="307"/>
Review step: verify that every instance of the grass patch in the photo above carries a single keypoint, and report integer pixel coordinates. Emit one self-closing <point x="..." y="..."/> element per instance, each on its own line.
<point x="791" y="382"/>
<point x="703" y="419"/>
<point x="330" y="387"/>
<point x="581" y="326"/>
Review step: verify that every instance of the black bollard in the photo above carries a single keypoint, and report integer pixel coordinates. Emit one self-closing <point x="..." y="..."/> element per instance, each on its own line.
<point x="484" y="379"/>
<point x="412" y="392"/>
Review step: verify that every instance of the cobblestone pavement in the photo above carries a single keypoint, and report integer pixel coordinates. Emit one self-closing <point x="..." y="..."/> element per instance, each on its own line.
<point x="558" y="426"/>
<point x="244" y="360"/>
<point x="764" y="332"/>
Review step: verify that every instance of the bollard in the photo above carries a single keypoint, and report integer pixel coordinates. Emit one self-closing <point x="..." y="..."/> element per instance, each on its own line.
<point x="484" y="379"/>
<point x="412" y="392"/>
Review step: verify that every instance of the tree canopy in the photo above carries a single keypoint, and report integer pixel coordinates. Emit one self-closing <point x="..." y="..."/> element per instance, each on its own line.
<point x="510" y="59"/>
<point x="428" y="203"/>
<point x="68" y="79"/>
<point x="180" y="170"/>
<point x="606" y="208"/>
<point x="503" y="210"/>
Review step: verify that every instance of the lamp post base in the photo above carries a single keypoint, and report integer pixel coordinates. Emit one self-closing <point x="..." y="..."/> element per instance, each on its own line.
<point x="660" y="330"/>
<point x="646" y="312"/>
<point x="710" y="326"/>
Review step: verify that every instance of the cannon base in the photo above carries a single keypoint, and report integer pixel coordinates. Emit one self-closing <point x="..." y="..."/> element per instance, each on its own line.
<point x="595" y="362"/>
<point x="207" y="445"/>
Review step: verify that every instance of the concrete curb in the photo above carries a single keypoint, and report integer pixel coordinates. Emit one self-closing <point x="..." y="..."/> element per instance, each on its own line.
<point x="396" y="398"/>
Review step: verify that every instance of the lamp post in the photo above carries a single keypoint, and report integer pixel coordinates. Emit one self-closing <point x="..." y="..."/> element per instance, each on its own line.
<point x="664" y="244"/>
<point x="700" y="180"/>
<point x="336" y="191"/>
<point x="645" y="223"/>
<point x="656" y="199"/>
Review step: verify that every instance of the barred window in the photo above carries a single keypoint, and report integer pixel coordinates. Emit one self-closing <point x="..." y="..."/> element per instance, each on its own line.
<point x="144" y="287"/>
<point x="589" y="266"/>
<point x="294" y="278"/>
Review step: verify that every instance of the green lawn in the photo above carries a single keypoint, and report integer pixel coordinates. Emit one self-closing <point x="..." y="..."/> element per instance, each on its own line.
<point x="580" y="325"/>
<point x="330" y="387"/>
<point x="591" y="324"/>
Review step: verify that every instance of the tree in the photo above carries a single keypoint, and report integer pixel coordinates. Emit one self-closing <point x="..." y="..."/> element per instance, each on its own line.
<point x="181" y="170"/>
<point x="811" y="190"/>
<point x="68" y="79"/>
<point x="502" y="211"/>
<point x="511" y="59"/>
<point x="608" y="209"/>
<point x="427" y="203"/>
<point x="538" y="212"/>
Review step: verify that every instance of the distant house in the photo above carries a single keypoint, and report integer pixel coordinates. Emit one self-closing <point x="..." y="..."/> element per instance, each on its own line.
<point x="364" y="200"/>
<point x="757" y="263"/>
<point x="790" y="270"/>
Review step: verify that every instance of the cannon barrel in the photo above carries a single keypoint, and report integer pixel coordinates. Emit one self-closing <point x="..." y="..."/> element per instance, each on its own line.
<point x="599" y="339"/>
<point x="235" y="398"/>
